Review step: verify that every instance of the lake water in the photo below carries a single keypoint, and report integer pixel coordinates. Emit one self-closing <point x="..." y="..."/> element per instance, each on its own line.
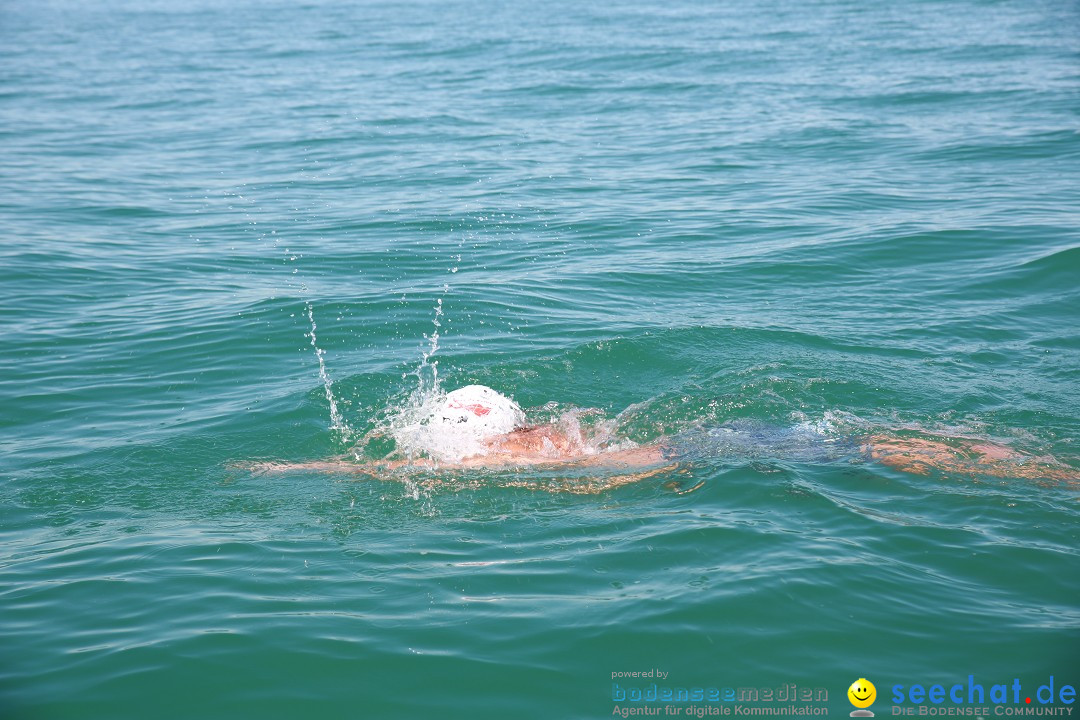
<point x="837" y="215"/>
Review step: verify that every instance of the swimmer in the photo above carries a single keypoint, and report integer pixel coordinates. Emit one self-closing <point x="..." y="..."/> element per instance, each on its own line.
<point x="476" y="427"/>
<point x="488" y="430"/>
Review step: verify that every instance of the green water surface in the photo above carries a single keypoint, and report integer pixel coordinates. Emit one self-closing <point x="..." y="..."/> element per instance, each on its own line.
<point x="858" y="216"/>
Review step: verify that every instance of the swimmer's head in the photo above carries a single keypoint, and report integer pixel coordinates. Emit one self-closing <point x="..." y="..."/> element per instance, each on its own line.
<point x="479" y="411"/>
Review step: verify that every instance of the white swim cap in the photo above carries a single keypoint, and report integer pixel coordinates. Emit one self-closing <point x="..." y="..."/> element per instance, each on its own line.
<point x="480" y="411"/>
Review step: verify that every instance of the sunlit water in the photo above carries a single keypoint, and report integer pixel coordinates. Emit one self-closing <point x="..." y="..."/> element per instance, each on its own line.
<point x="237" y="232"/>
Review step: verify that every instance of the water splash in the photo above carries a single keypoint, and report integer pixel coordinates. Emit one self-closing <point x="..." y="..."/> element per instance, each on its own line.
<point x="337" y="421"/>
<point x="244" y="200"/>
<point x="427" y="373"/>
<point x="418" y="432"/>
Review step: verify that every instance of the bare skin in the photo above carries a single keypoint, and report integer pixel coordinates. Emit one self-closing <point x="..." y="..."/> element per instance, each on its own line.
<point x="920" y="456"/>
<point x="543" y="447"/>
<point x="546" y="447"/>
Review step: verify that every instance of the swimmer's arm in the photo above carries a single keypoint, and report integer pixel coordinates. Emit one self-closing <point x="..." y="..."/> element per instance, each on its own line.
<point x="332" y="467"/>
<point x="601" y="483"/>
<point x="633" y="458"/>
<point x="641" y="456"/>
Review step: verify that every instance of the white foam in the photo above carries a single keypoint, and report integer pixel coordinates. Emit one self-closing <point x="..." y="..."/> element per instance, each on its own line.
<point x="422" y="427"/>
<point x="337" y="420"/>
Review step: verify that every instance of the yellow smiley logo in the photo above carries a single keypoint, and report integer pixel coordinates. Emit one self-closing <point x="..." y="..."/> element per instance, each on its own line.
<point x="862" y="693"/>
